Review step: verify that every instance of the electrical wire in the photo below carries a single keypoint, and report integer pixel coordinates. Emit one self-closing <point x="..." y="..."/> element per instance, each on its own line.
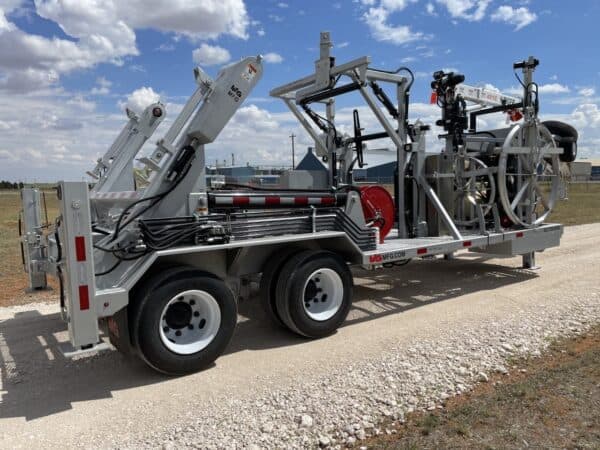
<point x="106" y="272"/>
<point x="155" y="199"/>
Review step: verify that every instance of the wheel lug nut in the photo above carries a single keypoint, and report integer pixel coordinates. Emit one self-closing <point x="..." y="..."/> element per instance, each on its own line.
<point x="190" y="326"/>
<point x="196" y="314"/>
<point x="192" y="302"/>
<point x="178" y="333"/>
<point x="166" y="329"/>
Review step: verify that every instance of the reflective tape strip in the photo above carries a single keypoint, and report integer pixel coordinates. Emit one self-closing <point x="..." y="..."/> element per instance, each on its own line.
<point x="84" y="298"/>
<point x="115" y="195"/>
<point x="272" y="200"/>
<point x="80" y="248"/>
<point x="240" y="200"/>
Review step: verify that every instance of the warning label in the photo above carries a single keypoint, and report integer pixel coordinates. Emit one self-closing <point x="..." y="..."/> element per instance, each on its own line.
<point x="249" y="73"/>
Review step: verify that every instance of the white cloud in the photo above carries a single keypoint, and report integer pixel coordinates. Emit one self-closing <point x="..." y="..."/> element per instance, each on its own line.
<point x="553" y="88"/>
<point x="81" y="102"/>
<point x="282" y="5"/>
<point x="273" y="58"/>
<point x="472" y="10"/>
<point x="587" y="92"/>
<point x="342" y="44"/>
<point x="377" y="20"/>
<point x="430" y="9"/>
<point x="519" y="17"/>
<point x="28" y="80"/>
<point x="165" y="48"/>
<point x="102" y="87"/>
<point x="395" y="5"/>
<point x="104" y="32"/>
<point x="260" y="32"/>
<point x="139" y="99"/>
<point x="550" y="88"/>
<point x="210" y="55"/>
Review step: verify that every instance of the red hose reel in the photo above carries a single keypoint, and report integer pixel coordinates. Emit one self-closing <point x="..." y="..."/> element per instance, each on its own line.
<point x="378" y="208"/>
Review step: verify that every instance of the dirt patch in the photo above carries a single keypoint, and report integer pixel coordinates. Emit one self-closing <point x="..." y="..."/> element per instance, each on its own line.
<point x="548" y="402"/>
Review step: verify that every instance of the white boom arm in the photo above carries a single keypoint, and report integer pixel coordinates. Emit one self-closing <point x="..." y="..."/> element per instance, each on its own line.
<point x="483" y="96"/>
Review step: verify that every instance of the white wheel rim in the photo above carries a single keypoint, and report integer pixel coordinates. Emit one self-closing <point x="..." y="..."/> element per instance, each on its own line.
<point x="189" y="322"/>
<point x="323" y="294"/>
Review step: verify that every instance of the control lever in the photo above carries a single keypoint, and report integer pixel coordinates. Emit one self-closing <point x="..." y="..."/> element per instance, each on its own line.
<point x="357" y="139"/>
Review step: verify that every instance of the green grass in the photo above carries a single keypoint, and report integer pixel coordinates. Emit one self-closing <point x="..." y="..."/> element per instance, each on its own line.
<point x="582" y="205"/>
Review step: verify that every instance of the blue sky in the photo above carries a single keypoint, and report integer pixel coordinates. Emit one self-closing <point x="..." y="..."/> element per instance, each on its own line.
<point x="69" y="67"/>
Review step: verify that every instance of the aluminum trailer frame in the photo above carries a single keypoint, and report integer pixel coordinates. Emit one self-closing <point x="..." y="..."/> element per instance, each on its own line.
<point x="161" y="267"/>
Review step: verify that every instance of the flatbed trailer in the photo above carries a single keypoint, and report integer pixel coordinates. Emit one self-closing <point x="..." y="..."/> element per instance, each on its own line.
<point x="160" y="268"/>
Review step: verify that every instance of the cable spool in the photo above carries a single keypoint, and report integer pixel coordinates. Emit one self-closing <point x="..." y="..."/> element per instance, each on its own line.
<point x="378" y="208"/>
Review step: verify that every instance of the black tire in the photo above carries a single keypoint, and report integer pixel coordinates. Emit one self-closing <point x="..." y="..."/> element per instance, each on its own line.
<point x="291" y="299"/>
<point x="566" y="137"/>
<point x="268" y="283"/>
<point x="147" y="309"/>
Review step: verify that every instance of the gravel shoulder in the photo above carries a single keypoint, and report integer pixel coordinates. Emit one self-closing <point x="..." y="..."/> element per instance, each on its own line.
<point x="552" y="401"/>
<point x="416" y="336"/>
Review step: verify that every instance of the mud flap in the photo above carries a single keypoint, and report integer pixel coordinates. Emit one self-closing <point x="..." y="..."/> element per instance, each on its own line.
<point x="117" y="329"/>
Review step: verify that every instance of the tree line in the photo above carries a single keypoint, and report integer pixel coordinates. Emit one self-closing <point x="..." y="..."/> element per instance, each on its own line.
<point x="11" y="185"/>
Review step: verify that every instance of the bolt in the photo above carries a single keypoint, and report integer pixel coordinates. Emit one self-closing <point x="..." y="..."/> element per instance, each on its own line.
<point x="166" y="329"/>
<point x="196" y="314"/>
<point x="192" y="302"/>
<point x="178" y="333"/>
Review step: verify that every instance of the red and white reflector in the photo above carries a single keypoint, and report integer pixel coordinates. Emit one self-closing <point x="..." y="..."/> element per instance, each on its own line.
<point x="84" y="298"/>
<point x="80" y="248"/>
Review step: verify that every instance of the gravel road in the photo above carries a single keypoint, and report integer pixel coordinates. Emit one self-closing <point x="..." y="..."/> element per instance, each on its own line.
<point x="415" y="336"/>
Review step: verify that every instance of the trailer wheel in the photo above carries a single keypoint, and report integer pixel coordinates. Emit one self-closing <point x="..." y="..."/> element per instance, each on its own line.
<point x="182" y="324"/>
<point x="314" y="293"/>
<point x="268" y="283"/>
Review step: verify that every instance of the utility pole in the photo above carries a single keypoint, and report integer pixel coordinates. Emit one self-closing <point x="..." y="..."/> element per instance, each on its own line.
<point x="293" y="136"/>
<point x="233" y="159"/>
